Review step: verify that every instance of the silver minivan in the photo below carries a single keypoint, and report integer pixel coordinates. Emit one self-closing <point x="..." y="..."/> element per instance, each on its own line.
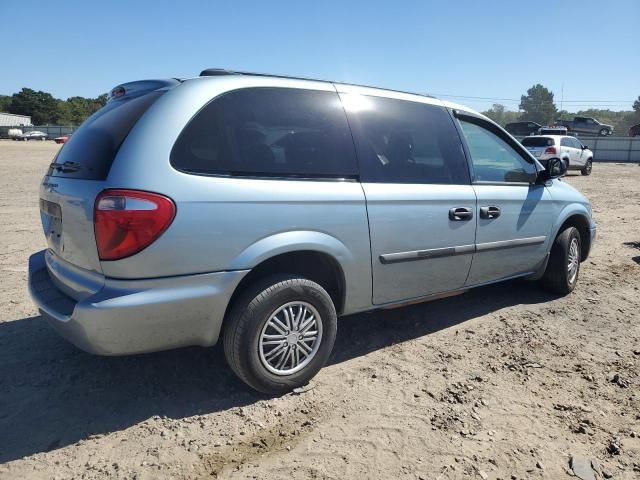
<point x="260" y="208"/>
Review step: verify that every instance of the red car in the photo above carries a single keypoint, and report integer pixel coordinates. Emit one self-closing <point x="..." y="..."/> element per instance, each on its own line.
<point x="62" y="139"/>
<point x="635" y="131"/>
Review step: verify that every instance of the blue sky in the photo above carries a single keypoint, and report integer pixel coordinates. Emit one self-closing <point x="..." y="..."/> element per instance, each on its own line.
<point x="470" y="48"/>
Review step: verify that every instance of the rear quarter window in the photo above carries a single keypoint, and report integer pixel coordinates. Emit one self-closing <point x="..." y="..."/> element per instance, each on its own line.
<point x="90" y="151"/>
<point x="270" y="132"/>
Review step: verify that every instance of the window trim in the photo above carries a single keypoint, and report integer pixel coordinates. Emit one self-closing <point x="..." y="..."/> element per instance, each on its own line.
<point x="265" y="175"/>
<point x="458" y="115"/>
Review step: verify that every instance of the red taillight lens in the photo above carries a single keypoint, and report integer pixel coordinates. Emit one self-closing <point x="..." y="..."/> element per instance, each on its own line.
<point x="550" y="151"/>
<point x="127" y="221"/>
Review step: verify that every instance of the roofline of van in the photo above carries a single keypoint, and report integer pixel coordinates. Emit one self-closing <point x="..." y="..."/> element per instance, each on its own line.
<point x="216" y="72"/>
<point x="144" y="86"/>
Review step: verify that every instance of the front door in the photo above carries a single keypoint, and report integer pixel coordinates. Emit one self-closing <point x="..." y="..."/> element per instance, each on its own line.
<point x="514" y="214"/>
<point x="420" y="203"/>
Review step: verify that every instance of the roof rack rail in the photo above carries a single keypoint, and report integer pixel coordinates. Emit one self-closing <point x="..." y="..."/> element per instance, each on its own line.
<point x="215" y="72"/>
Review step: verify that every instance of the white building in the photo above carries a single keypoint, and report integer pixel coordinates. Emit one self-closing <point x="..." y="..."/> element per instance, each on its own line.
<point x="11" y="120"/>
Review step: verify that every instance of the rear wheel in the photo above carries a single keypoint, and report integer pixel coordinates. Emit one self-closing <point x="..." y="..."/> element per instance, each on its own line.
<point x="280" y="333"/>
<point x="586" y="170"/>
<point x="561" y="275"/>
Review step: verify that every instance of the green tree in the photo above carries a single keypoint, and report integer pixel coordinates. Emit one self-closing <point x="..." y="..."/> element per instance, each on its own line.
<point x="538" y="105"/>
<point x="636" y="105"/>
<point x="5" y="100"/>
<point x="75" y="110"/>
<point x="496" y="113"/>
<point x="499" y="114"/>
<point x="41" y="106"/>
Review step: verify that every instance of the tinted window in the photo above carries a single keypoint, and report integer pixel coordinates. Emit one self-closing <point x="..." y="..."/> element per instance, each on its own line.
<point x="576" y="143"/>
<point x="494" y="160"/>
<point x="400" y="141"/>
<point x="566" y="142"/>
<point x="268" y="132"/>
<point x="537" y="142"/>
<point x="91" y="149"/>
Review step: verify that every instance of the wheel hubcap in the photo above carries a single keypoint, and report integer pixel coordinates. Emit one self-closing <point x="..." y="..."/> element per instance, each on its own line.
<point x="290" y="338"/>
<point x="573" y="260"/>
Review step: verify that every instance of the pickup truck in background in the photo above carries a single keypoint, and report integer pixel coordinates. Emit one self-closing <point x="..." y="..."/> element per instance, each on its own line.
<point x="586" y="125"/>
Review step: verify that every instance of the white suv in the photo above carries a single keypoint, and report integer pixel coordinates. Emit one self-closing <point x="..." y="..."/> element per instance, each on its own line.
<point x="570" y="149"/>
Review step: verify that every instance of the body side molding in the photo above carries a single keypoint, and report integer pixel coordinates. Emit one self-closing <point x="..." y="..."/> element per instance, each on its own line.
<point x="388" y="258"/>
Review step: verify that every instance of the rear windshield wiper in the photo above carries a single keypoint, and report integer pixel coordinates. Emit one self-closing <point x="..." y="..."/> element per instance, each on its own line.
<point x="66" y="167"/>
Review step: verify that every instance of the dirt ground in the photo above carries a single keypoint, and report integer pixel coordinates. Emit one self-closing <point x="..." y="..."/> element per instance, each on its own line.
<point x="505" y="381"/>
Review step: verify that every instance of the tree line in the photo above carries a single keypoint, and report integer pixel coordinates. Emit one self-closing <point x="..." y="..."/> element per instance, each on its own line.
<point x="45" y="109"/>
<point x="538" y="105"/>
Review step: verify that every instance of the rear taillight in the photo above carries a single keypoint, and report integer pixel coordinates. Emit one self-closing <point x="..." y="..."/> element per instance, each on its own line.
<point x="550" y="151"/>
<point x="127" y="221"/>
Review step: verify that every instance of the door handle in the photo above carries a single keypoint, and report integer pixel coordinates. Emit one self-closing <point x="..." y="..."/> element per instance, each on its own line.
<point x="459" y="214"/>
<point x="489" y="212"/>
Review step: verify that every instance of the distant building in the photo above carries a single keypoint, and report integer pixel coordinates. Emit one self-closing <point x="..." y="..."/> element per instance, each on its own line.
<point x="11" y="120"/>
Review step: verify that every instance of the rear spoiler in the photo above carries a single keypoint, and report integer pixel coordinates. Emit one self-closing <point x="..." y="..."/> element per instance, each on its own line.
<point x="140" y="87"/>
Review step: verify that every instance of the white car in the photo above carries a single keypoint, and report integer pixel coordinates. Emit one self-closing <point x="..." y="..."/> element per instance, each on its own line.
<point x="570" y="149"/>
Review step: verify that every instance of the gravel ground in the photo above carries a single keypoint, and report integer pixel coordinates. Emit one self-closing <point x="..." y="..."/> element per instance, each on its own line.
<point x="505" y="381"/>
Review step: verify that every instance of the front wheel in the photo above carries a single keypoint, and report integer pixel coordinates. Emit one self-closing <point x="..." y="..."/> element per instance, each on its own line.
<point x="561" y="275"/>
<point x="280" y="333"/>
<point x="586" y="170"/>
<point x="604" y="132"/>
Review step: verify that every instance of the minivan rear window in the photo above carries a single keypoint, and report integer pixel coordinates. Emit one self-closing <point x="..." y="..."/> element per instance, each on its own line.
<point x="90" y="151"/>
<point x="270" y="132"/>
<point x="537" y="142"/>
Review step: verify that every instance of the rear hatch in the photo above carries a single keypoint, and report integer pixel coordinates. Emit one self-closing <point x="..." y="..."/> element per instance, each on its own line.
<point x="79" y="170"/>
<point x="537" y="145"/>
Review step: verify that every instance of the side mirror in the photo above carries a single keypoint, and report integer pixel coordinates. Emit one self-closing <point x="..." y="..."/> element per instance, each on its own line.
<point x="554" y="168"/>
<point x="584" y="147"/>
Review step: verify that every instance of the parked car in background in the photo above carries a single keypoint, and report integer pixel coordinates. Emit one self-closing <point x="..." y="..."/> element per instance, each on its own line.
<point x="33" y="135"/>
<point x="522" y="128"/>
<point x="586" y="125"/>
<point x="269" y="206"/>
<point x="14" y="133"/>
<point x="635" y="131"/>
<point x="555" y="130"/>
<point x="62" y="138"/>
<point x="570" y="149"/>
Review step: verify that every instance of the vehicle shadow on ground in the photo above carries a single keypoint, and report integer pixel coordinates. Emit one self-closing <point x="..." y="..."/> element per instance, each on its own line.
<point x="53" y="395"/>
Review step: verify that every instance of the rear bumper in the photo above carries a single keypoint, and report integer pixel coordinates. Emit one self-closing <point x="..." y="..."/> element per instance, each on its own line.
<point x="136" y="316"/>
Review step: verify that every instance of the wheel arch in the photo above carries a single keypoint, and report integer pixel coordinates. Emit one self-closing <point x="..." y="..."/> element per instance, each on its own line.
<point x="316" y="256"/>
<point x="578" y="217"/>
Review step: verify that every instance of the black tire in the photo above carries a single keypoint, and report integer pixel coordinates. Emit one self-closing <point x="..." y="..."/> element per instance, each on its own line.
<point x="248" y="317"/>
<point x="586" y="170"/>
<point x="604" y="132"/>
<point x="557" y="277"/>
